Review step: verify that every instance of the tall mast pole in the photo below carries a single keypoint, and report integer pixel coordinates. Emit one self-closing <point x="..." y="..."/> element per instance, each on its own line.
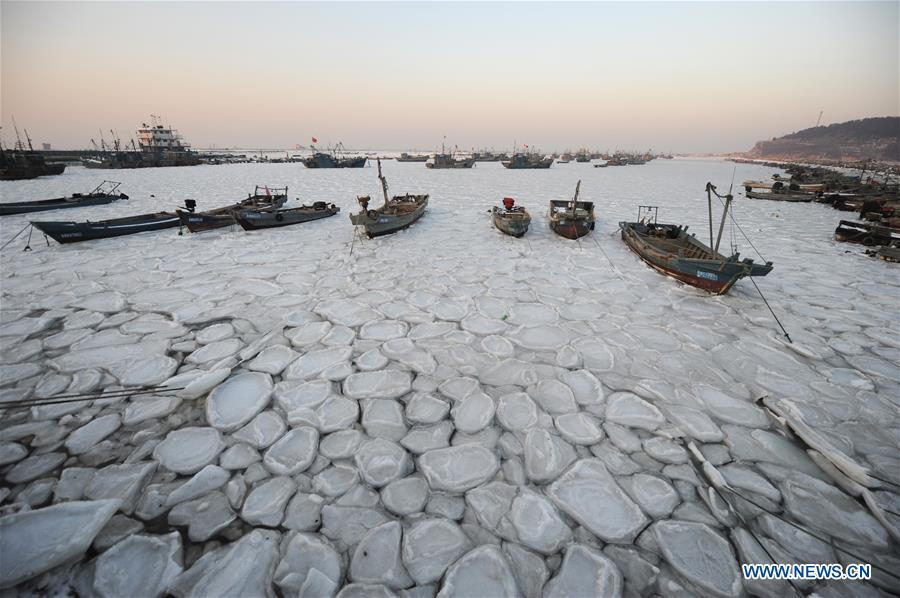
<point x="384" y="186"/>
<point x="728" y="199"/>
<point x="709" y="190"/>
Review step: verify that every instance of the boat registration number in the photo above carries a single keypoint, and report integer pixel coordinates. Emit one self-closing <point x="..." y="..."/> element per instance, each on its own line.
<point x="384" y="220"/>
<point x="707" y="275"/>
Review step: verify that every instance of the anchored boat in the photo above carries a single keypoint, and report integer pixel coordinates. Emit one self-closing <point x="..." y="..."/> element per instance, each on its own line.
<point x="671" y="250"/>
<point x="511" y="219"/>
<point x="271" y="198"/>
<point x="396" y="214"/>
<point x="521" y="161"/>
<point x="104" y="193"/>
<point x="571" y="218"/>
<point x="73" y="232"/>
<point x="257" y="219"/>
<point x="334" y="159"/>
<point x="405" y="157"/>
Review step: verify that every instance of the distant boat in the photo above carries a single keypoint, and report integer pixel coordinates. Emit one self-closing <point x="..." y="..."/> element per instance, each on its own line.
<point x="511" y="219"/>
<point x="157" y="146"/>
<point x="487" y="156"/>
<point x="669" y="249"/>
<point x="20" y="163"/>
<point x="783" y="195"/>
<point x="271" y="199"/>
<point x="404" y="157"/>
<point x="448" y="161"/>
<point x="104" y="193"/>
<point x="73" y="232"/>
<point x="571" y="218"/>
<point x="527" y="161"/>
<point x="334" y="159"/>
<point x="259" y="219"/>
<point x="396" y="214"/>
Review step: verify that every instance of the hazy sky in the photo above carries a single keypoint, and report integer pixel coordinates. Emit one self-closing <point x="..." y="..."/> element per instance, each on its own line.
<point x="709" y="76"/>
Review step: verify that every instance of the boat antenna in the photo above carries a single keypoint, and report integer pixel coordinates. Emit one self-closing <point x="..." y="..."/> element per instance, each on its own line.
<point x="384" y="185"/>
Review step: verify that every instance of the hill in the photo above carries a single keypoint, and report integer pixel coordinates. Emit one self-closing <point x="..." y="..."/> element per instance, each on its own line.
<point x="867" y="139"/>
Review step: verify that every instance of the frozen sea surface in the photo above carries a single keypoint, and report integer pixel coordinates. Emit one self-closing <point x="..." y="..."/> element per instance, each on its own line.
<point x="446" y="410"/>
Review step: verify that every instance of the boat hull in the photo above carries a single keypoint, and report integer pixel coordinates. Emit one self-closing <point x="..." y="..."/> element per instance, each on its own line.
<point x="378" y="224"/>
<point x="513" y="226"/>
<point x="795" y="197"/>
<point x="327" y="161"/>
<point x="74" y="232"/>
<point x="221" y="217"/>
<point x="572" y="229"/>
<point x="62" y="203"/>
<point x="715" y="276"/>
<point x="256" y="219"/>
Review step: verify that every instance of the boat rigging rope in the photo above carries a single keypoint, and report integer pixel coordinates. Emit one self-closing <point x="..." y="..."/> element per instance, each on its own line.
<point x="90" y="396"/>
<point x="15" y="237"/>
<point x="758" y="290"/>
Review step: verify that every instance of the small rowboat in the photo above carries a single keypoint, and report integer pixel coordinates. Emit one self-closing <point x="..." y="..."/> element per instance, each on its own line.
<point x="73" y="232"/>
<point x="571" y="218"/>
<point x="257" y="219"/>
<point x="511" y="219"/>
<point x="669" y="249"/>
<point x="796" y="196"/>
<point x="396" y="214"/>
<point x="104" y="193"/>
<point x="272" y="199"/>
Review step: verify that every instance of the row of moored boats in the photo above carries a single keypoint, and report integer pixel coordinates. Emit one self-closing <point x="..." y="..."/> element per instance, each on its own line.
<point x="668" y="248"/>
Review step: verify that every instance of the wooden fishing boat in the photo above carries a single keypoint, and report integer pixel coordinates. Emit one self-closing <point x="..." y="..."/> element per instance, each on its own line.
<point x="271" y="198"/>
<point x="571" y="218"/>
<point x="73" y="232"/>
<point x="396" y="214"/>
<point x="103" y="193"/>
<point x="405" y="157"/>
<point x="522" y="161"/>
<point x="257" y="219"/>
<point x="336" y="158"/>
<point x="795" y="196"/>
<point x="511" y="219"/>
<point x="449" y="161"/>
<point x="867" y="234"/>
<point x="669" y="249"/>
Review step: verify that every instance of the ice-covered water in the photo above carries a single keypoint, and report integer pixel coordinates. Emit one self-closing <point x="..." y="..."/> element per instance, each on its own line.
<point x="520" y="406"/>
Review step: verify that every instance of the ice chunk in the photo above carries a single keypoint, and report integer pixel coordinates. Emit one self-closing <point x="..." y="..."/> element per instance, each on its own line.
<point x="377" y="558"/>
<point x="509" y="372"/>
<point x="585" y="572"/>
<point x="11" y="452"/>
<point x="426" y="409"/>
<point x="140" y="364"/>
<point x="34" y="467"/>
<point x="630" y="410"/>
<point x="430" y="546"/>
<point x="473" y="413"/>
<point x="589" y="494"/>
<point x="490" y="503"/>
<point x="272" y="360"/>
<point x="32" y="542"/>
<point x="458" y="468"/>
<point x="542" y="337"/>
<point x="483" y="571"/>
<point x="426" y="438"/>
<point x="346" y="312"/>
<point x="554" y="397"/>
<point x="293" y="453"/>
<point x="383" y="384"/>
<point x="695" y="423"/>
<point x="341" y="444"/>
<point x="381" y="462"/>
<point x="124" y="482"/>
<point x="700" y="554"/>
<point x="337" y="413"/>
<point x="205" y="516"/>
<point x="88" y="435"/>
<point x="304" y="512"/>
<point x="383" y="418"/>
<point x="430" y="330"/>
<point x="293" y="394"/>
<point x="406" y="496"/>
<point x="546" y="455"/>
<point x="262" y="431"/>
<point x="595" y="354"/>
<point x="458" y="388"/>
<point x="350" y="524"/>
<point x="142" y="408"/>
<point x="204" y="383"/>
<point x="654" y="494"/>
<point x="266" y="502"/>
<point x="383" y="330"/>
<point x="313" y="363"/>
<point x="138" y="566"/>
<point x="242" y="568"/>
<point x="537" y="523"/>
<point x="371" y="360"/>
<point x="498" y="346"/>
<point x="309" y="558"/>
<point x="204" y="481"/>
<point x="517" y="412"/>
<point x="216" y="351"/>
<point x="238" y="400"/>
<point x="188" y="450"/>
<point x="308" y="334"/>
<point x="579" y="428"/>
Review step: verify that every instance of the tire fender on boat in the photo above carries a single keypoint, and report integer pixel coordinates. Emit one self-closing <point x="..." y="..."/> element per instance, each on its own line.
<point x="279" y="217"/>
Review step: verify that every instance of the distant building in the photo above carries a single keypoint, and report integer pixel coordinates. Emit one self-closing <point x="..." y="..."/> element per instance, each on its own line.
<point x="45" y="146"/>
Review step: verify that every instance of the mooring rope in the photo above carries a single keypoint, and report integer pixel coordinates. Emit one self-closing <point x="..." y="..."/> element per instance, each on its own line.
<point x="15" y="237"/>
<point x="91" y="396"/>
<point x="758" y="290"/>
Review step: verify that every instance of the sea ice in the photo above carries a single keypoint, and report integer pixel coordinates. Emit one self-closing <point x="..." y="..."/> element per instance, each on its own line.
<point x="293" y="452"/>
<point x="84" y="438"/>
<point x="700" y="554"/>
<point x="381" y="462"/>
<point x="473" y="413"/>
<point x="383" y="384"/>
<point x="262" y="431"/>
<point x="32" y="542"/>
<point x="266" y="502"/>
<point x="139" y="565"/>
<point x="309" y="559"/>
<point x="537" y="523"/>
<point x="377" y="558"/>
<point x="430" y="546"/>
<point x="483" y="571"/>
<point x="458" y="468"/>
<point x="585" y="572"/>
<point x="589" y="494"/>
<point x="204" y="517"/>
<point x="238" y="400"/>
<point x="630" y="410"/>
<point x="188" y="450"/>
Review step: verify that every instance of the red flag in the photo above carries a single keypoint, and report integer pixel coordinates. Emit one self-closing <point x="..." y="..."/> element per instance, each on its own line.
<point x="315" y="140"/>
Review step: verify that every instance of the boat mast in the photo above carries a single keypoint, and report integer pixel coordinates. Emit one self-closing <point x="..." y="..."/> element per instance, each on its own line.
<point x="384" y="186"/>
<point x="728" y="199"/>
<point x="709" y="190"/>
